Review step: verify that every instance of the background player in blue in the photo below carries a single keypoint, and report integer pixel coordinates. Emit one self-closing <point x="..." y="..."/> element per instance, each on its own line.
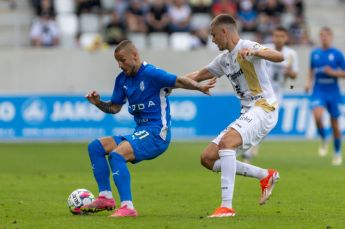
<point x="327" y="65"/>
<point x="145" y="87"/>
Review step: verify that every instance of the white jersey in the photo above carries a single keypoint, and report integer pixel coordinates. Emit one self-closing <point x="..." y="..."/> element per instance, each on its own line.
<point x="276" y="71"/>
<point x="248" y="76"/>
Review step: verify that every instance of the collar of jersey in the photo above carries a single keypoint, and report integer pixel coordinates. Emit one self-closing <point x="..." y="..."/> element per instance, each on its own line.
<point x="142" y="67"/>
<point x="236" y="47"/>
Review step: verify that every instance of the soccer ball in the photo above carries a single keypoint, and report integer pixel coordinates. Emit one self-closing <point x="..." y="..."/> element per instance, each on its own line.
<point x="79" y="198"/>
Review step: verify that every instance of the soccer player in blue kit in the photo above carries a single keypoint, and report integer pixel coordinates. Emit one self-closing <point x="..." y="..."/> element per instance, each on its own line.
<point x="145" y="87"/>
<point x="327" y="65"/>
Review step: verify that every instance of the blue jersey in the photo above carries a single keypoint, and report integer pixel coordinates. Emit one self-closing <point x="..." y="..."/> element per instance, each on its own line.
<point x="146" y="93"/>
<point x="321" y="58"/>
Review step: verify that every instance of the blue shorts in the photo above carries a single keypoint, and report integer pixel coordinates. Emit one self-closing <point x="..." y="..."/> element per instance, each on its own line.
<point x="330" y="101"/>
<point x="145" y="143"/>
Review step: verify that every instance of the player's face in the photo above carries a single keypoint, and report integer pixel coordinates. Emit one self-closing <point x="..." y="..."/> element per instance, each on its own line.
<point x="279" y="38"/>
<point x="326" y="38"/>
<point x="218" y="37"/>
<point x="126" y="60"/>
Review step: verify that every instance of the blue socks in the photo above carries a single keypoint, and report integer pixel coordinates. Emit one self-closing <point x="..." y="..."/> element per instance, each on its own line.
<point x="322" y="133"/>
<point x="99" y="165"/>
<point x="121" y="175"/>
<point x="337" y="145"/>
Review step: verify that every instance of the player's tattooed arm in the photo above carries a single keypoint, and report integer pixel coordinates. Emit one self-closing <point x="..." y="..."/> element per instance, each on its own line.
<point x="107" y="107"/>
<point x="200" y="76"/>
<point x="187" y="83"/>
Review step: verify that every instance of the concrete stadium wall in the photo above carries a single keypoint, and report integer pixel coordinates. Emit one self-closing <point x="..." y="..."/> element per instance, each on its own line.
<point x="59" y="71"/>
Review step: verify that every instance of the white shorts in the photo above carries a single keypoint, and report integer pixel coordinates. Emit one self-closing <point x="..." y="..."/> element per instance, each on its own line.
<point x="253" y="126"/>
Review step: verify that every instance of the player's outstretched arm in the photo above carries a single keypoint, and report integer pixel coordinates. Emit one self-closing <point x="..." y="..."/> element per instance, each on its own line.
<point x="200" y="76"/>
<point x="188" y="83"/>
<point x="266" y="53"/>
<point x="334" y="73"/>
<point x="107" y="107"/>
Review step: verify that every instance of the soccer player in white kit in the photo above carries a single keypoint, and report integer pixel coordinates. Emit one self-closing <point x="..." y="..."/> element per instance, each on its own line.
<point x="244" y="64"/>
<point x="278" y="72"/>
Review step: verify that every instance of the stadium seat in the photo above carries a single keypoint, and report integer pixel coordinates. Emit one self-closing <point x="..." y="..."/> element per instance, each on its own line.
<point x="105" y="19"/>
<point x="68" y="24"/>
<point x="248" y="36"/>
<point x="180" y="41"/>
<point x="158" y="41"/>
<point x="200" y="20"/>
<point x="89" y="23"/>
<point x="68" y="41"/>
<point x="64" y="6"/>
<point x="108" y="5"/>
<point x="87" y="39"/>
<point x="138" y="39"/>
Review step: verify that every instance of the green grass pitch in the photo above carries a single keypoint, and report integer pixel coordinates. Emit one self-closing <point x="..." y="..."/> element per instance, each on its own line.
<point x="172" y="191"/>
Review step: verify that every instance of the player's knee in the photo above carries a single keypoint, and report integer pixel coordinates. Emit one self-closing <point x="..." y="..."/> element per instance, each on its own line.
<point x="206" y="161"/>
<point x="225" y="143"/>
<point x="96" y="148"/>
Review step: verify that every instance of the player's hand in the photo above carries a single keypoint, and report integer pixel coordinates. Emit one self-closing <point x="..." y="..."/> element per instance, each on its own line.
<point x="246" y="52"/>
<point x="329" y="71"/>
<point x="93" y="97"/>
<point x="205" y="88"/>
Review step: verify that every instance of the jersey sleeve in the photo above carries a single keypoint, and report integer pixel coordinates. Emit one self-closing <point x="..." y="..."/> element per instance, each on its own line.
<point x="118" y="96"/>
<point x="162" y="78"/>
<point x="254" y="46"/>
<point x="215" y="66"/>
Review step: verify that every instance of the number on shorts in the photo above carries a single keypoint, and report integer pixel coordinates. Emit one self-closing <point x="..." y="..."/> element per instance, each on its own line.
<point x="141" y="134"/>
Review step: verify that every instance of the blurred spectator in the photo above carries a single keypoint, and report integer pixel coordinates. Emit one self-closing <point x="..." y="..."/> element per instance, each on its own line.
<point x="199" y="38"/>
<point x="121" y="7"/>
<point x="299" y="7"/>
<point x="114" y="32"/>
<point x="180" y="14"/>
<point x="200" y="6"/>
<point x="224" y="7"/>
<point x="46" y="6"/>
<point x="44" y="31"/>
<point x="247" y="16"/>
<point x="135" y="17"/>
<point x="157" y="17"/>
<point x="12" y="4"/>
<point x="299" y="32"/>
<point x="274" y="9"/>
<point x="88" y="6"/>
<point x="264" y="28"/>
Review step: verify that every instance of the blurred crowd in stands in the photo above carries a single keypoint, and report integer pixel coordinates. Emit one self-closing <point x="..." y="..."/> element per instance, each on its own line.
<point x="111" y="21"/>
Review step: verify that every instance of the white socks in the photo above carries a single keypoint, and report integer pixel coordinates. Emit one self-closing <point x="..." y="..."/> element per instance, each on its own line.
<point x="244" y="169"/>
<point x="216" y="166"/>
<point x="128" y="203"/>
<point x="106" y="194"/>
<point x="109" y="195"/>
<point x="228" y="169"/>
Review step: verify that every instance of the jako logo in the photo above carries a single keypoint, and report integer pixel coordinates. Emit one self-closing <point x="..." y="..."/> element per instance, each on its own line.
<point x="34" y="111"/>
<point x="75" y="111"/>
